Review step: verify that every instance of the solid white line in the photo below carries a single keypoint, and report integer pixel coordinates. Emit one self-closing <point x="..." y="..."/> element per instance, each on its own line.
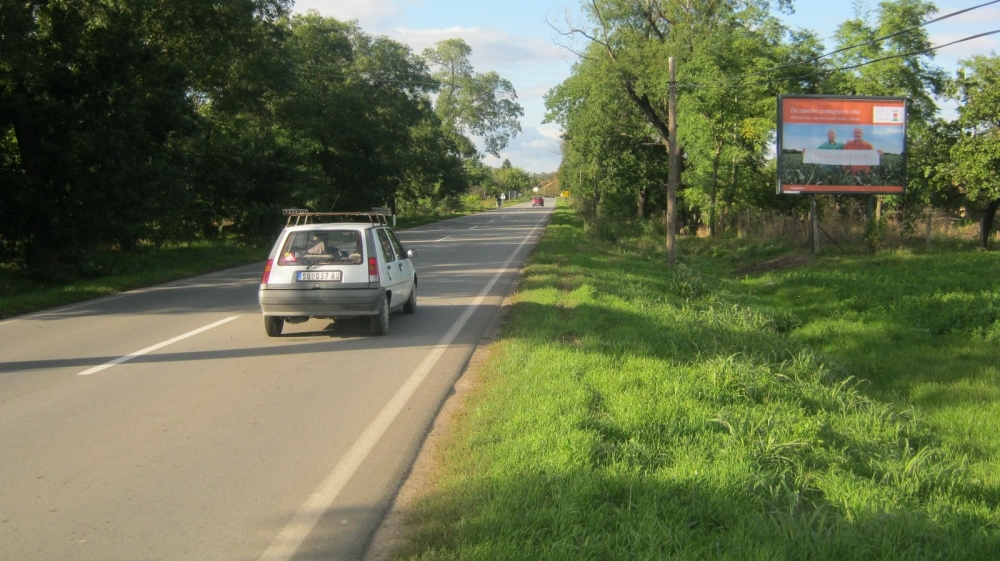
<point x="442" y="239"/>
<point x="127" y="358"/>
<point x="181" y="283"/>
<point x="298" y="528"/>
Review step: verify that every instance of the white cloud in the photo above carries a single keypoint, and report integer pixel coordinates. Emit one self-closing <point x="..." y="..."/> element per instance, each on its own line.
<point x="534" y="150"/>
<point x="979" y="46"/>
<point x="490" y="47"/>
<point x="974" y="17"/>
<point x="551" y="132"/>
<point x="533" y="64"/>
<point x="368" y="12"/>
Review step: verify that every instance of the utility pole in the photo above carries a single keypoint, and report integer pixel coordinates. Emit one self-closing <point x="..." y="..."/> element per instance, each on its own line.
<point x="674" y="174"/>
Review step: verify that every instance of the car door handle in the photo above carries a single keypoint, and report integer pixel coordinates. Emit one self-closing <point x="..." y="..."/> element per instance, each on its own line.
<point x="400" y="266"/>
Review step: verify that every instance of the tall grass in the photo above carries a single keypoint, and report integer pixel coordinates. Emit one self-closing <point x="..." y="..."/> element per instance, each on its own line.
<point x="634" y="412"/>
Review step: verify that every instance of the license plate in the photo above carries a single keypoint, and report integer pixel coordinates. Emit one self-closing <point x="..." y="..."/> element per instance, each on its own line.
<point x="319" y="276"/>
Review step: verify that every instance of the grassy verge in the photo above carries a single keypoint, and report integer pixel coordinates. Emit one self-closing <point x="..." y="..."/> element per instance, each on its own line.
<point x="845" y="408"/>
<point x="112" y="273"/>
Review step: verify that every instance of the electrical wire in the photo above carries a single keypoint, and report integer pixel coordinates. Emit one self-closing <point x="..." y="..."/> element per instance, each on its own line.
<point x="843" y="49"/>
<point x="729" y="84"/>
<point x="325" y="71"/>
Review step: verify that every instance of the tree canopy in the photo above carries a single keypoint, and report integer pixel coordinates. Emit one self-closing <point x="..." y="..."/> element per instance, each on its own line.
<point x="469" y="103"/>
<point x="734" y="58"/>
<point x="125" y="123"/>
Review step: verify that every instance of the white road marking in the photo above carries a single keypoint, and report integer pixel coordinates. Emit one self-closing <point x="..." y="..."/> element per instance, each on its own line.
<point x="474" y="227"/>
<point x="442" y="239"/>
<point x="127" y="358"/>
<point x="298" y="528"/>
<point x="178" y="284"/>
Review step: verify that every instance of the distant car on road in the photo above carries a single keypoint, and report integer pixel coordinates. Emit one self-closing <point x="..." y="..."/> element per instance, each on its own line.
<point x="537" y="201"/>
<point x="337" y="270"/>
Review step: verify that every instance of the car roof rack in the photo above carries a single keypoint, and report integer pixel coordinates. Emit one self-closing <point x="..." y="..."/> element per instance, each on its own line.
<point x="299" y="216"/>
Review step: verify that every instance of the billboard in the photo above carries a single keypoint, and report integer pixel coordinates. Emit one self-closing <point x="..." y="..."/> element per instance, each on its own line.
<point x="841" y="144"/>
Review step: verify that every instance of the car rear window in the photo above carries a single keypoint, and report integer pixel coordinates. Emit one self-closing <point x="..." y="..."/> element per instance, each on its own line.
<point x="322" y="247"/>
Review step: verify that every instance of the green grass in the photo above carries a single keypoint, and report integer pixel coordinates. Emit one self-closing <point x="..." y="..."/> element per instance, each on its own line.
<point x="844" y="409"/>
<point x="114" y="272"/>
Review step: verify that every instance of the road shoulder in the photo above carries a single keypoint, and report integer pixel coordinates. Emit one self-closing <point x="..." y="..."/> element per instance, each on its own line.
<point x="391" y="533"/>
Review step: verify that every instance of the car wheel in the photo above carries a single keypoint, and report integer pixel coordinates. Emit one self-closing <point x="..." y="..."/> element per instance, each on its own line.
<point x="273" y="325"/>
<point x="411" y="303"/>
<point x="380" y="321"/>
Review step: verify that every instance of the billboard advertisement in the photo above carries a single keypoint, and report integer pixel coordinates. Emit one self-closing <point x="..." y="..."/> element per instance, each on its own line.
<point x="841" y="144"/>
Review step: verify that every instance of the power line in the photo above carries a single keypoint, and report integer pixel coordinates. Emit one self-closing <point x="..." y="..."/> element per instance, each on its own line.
<point x="865" y="44"/>
<point x="729" y="84"/>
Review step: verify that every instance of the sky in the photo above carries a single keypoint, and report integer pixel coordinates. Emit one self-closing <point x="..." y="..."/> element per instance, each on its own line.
<point x="518" y="39"/>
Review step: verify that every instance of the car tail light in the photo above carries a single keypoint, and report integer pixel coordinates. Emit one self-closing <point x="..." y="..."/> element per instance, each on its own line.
<point x="373" y="269"/>
<point x="267" y="271"/>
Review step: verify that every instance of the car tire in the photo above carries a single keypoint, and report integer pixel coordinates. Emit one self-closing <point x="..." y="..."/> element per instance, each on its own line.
<point x="273" y="325"/>
<point x="411" y="303"/>
<point x="380" y="321"/>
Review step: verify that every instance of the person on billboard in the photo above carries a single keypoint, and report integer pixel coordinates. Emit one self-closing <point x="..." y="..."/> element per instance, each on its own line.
<point x="831" y="142"/>
<point x="859" y="143"/>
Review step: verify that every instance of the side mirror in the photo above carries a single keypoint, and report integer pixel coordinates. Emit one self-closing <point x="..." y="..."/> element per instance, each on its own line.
<point x="411" y="253"/>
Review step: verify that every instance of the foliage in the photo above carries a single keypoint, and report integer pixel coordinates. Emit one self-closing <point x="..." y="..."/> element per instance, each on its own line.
<point x="892" y="171"/>
<point x="510" y="178"/>
<point x="127" y="123"/>
<point x="613" y="161"/>
<point x="733" y="59"/>
<point x="614" y="107"/>
<point x="975" y="167"/>
<point x="912" y="76"/>
<point x="111" y="272"/>
<point x="468" y="103"/>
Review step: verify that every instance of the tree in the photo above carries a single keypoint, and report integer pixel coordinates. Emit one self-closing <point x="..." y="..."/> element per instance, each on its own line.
<point x="899" y="66"/>
<point x="509" y="178"/>
<point x="911" y="76"/>
<point x="725" y="107"/>
<point x="97" y="102"/>
<point x="468" y="103"/>
<point x="612" y="159"/>
<point x="975" y="166"/>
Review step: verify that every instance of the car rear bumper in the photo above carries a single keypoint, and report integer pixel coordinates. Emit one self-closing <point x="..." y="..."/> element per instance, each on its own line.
<point x="325" y="303"/>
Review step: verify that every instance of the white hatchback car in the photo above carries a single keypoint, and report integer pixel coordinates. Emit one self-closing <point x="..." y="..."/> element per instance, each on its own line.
<point x="337" y="270"/>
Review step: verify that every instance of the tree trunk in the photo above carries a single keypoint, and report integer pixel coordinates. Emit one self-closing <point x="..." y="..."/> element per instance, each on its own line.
<point x="986" y="224"/>
<point x="642" y="203"/>
<point x="715" y="188"/>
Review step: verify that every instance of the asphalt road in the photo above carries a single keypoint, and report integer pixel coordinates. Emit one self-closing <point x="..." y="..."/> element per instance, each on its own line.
<point x="164" y="424"/>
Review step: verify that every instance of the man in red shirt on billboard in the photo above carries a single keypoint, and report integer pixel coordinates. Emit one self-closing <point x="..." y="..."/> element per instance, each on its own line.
<point x="859" y="143"/>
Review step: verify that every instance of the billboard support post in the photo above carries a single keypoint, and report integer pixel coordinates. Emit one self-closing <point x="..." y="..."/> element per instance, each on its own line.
<point x="673" y="172"/>
<point x="813" y="226"/>
<point x="930" y="216"/>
